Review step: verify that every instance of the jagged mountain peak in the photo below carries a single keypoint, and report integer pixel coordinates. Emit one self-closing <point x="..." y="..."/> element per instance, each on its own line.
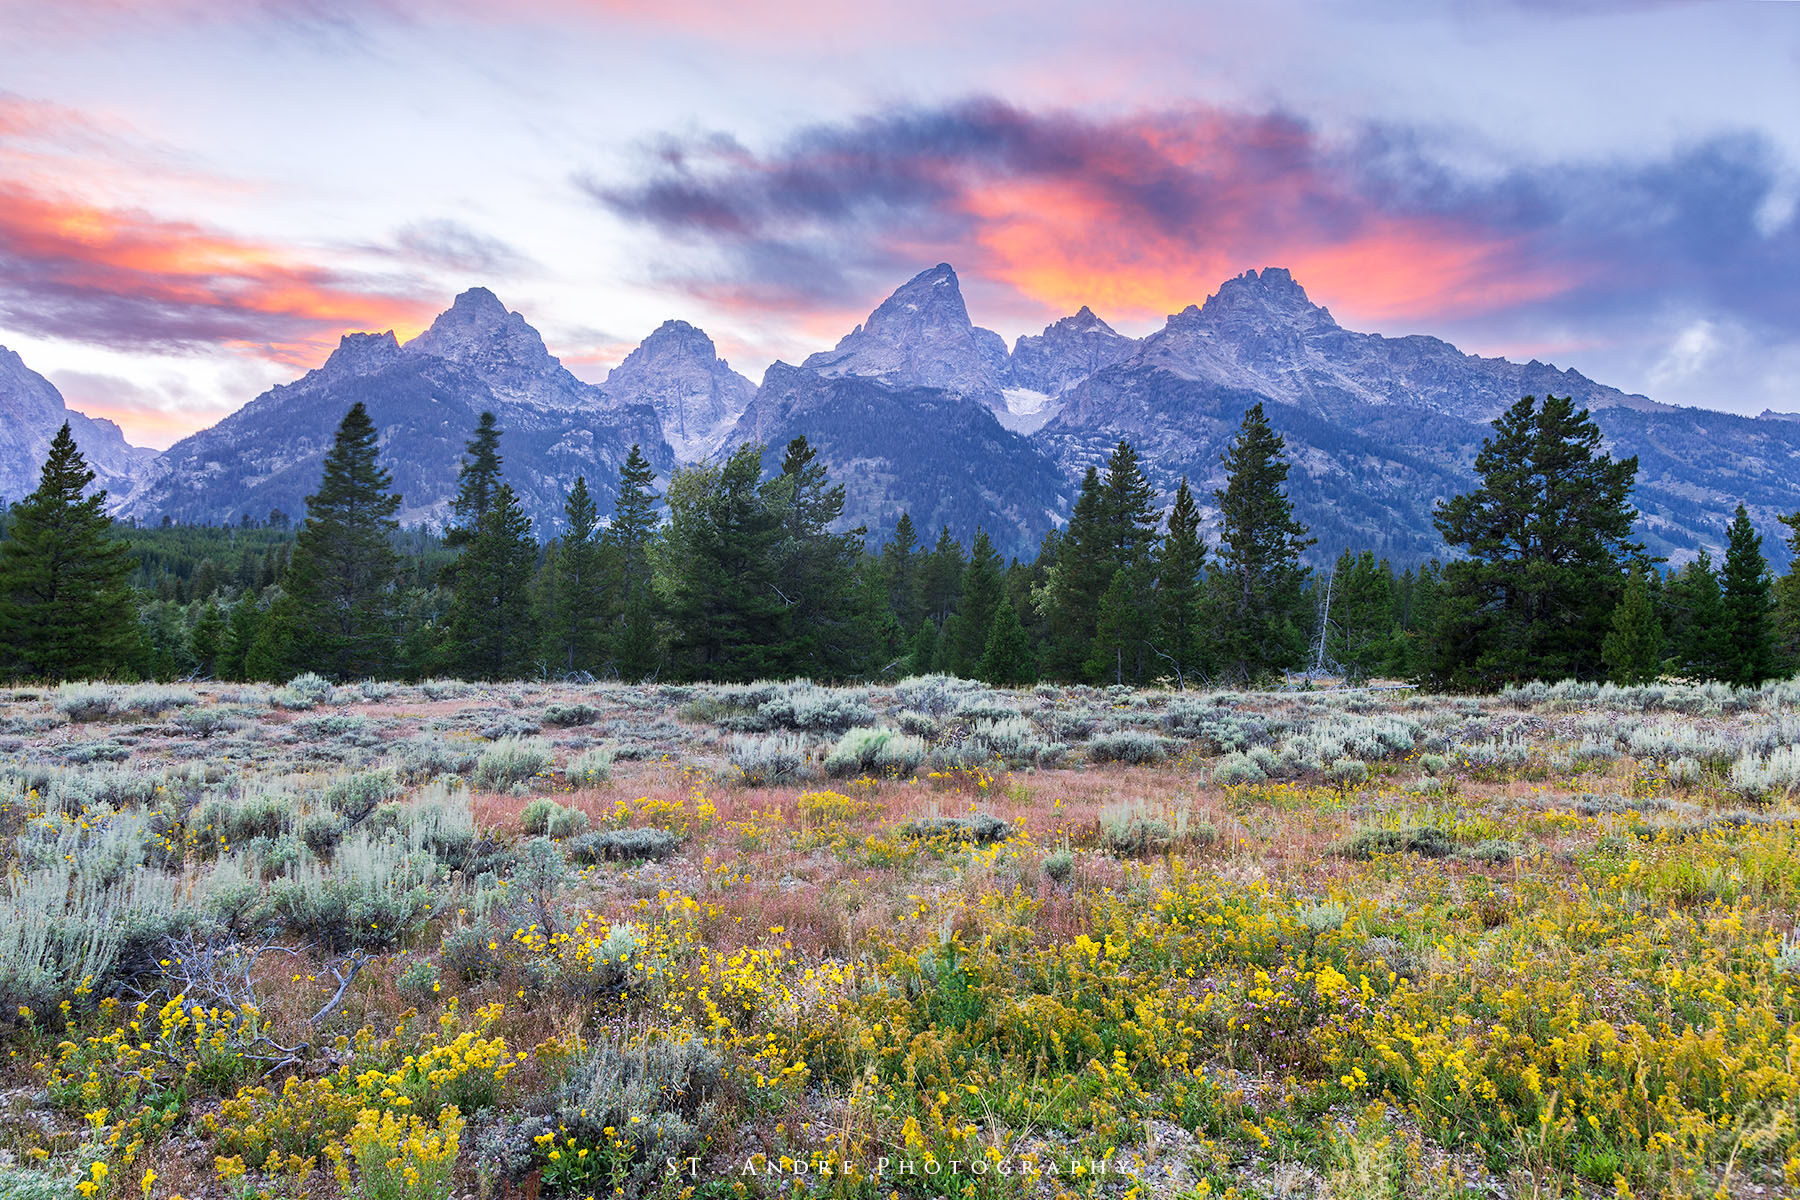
<point x="678" y="372"/>
<point x="359" y="353"/>
<point x="921" y="335"/>
<point x="476" y="322"/>
<point x="678" y="337"/>
<point x="1065" y="353"/>
<point x="1269" y="294"/>
<point x="930" y="298"/>
<point x="477" y="331"/>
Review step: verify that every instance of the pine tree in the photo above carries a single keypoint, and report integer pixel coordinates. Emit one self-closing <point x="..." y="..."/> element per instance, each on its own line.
<point x="1423" y="619"/>
<point x="476" y="482"/>
<point x="340" y="581"/>
<point x="1696" y="628"/>
<point x="636" y="647"/>
<point x="1633" y="649"/>
<point x="1128" y="511"/>
<point x="876" y="643"/>
<point x="1180" y="563"/>
<point x="716" y="568"/>
<point x="207" y="639"/>
<point x="922" y="653"/>
<point x="940" y="578"/>
<point x="575" y="607"/>
<point x="900" y="560"/>
<point x="1746" y="591"/>
<point x="1257" y="593"/>
<point x="1112" y="529"/>
<point x="491" y="630"/>
<point x="943" y="662"/>
<point x="980" y="599"/>
<point x="1076" y="581"/>
<point x="815" y="571"/>
<point x="1548" y="534"/>
<point x="240" y="636"/>
<point x="1362" y="635"/>
<point x="1006" y="660"/>
<point x="66" y="605"/>
<point x="1125" y="624"/>
<point x="1786" y="620"/>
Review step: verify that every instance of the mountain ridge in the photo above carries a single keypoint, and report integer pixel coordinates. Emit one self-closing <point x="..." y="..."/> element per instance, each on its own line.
<point x="32" y="409"/>
<point x="918" y="396"/>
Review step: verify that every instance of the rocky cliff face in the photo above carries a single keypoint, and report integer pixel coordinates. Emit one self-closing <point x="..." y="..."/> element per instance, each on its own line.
<point x="31" y="412"/>
<point x="940" y="456"/>
<point x="677" y="371"/>
<point x="1066" y="353"/>
<point x="921" y="336"/>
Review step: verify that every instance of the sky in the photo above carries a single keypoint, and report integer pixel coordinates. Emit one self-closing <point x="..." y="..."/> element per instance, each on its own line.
<point x="198" y="197"/>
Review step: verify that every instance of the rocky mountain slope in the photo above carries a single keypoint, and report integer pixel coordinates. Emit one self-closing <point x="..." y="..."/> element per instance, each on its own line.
<point x="938" y="455"/>
<point x="31" y="411"/>
<point x="678" y="372"/>
<point x="1043" y="368"/>
<point x="1379" y="429"/>
<point x="425" y="397"/>
<point x="918" y="409"/>
<point x="921" y="336"/>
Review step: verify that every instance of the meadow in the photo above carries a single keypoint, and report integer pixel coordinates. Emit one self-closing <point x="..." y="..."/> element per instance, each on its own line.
<point x="933" y="939"/>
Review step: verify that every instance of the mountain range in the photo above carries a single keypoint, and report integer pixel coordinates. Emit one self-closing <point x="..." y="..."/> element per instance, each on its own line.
<point x="919" y="409"/>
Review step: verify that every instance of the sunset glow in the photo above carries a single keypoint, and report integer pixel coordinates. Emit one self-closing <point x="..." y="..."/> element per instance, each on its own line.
<point x="213" y="193"/>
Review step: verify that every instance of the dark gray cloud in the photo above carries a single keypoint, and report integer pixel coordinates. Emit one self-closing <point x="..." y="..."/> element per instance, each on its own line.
<point x="453" y="246"/>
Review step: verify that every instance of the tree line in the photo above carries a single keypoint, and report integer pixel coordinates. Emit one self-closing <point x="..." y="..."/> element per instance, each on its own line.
<point x="731" y="572"/>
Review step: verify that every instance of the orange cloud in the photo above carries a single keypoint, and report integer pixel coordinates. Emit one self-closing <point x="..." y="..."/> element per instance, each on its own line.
<point x="120" y="277"/>
<point x="1064" y="250"/>
<point x="1138" y="216"/>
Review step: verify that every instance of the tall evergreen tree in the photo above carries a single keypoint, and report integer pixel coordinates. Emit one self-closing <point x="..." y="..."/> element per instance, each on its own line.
<point x="1696" y="629"/>
<point x="876" y="645"/>
<point x="1548" y="534"/>
<point x="981" y="593"/>
<point x="1119" y="650"/>
<point x="574" y="620"/>
<point x="940" y="578"/>
<point x="1257" y="593"/>
<point x="1071" y="594"/>
<point x="900" y="562"/>
<point x="1128" y="510"/>
<point x="815" y="569"/>
<point x="492" y="633"/>
<point x="1422" y="620"/>
<point x="476" y="482"/>
<point x="207" y="639"/>
<point x="339" y="598"/>
<point x="1747" y="593"/>
<point x="240" y="636"/>
<point x="1180" y="564"/>
<point x="1006" y="659"/>
<point x="922" y="651"/>
<point x="717" y="568"/>
<point x="1362" y="634"/>
<point x="636" y="646"/>
<point x="1786" y="620"/>
<point x="66" y="605"/>
<point x="1633" y="648"/>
